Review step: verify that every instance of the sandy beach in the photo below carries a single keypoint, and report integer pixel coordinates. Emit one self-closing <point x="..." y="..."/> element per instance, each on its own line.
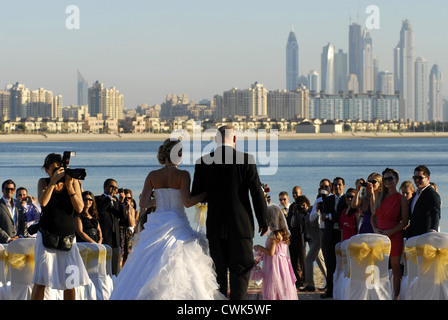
<point x="86" y="137"/>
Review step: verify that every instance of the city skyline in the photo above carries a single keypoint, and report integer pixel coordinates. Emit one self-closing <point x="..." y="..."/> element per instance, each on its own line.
<point x="149" y="50"/>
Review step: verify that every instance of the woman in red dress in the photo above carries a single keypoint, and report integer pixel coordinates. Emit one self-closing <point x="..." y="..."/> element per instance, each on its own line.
<point x="389" y="217"/>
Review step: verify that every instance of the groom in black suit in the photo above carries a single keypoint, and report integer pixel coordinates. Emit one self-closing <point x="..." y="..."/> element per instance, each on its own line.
<point x="424" y="206"/>
<point x="228" y="176"/>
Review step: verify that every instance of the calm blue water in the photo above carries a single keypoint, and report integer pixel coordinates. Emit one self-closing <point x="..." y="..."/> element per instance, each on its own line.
<point x="300" y="162"/>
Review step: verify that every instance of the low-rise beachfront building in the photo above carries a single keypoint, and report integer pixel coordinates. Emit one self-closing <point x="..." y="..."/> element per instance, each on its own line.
<point x="307" y="126"/>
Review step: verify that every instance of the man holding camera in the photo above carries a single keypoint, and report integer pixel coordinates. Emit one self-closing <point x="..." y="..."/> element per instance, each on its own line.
<point x="110" y="211"/>
<point x="297" y="226"/>
<point x="12" y="216"/>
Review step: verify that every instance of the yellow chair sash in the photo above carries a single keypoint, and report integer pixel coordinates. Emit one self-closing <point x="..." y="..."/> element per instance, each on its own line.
<point x="434" y="257"/>
<point x="201" y="208"/>
<point x="18" y="260"/>
<point x="361" y="252"/>
<point x="411" y="254"/>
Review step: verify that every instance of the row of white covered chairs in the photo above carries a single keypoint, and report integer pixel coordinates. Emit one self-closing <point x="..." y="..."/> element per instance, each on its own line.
<point x="17" y="268"/>
<point x="362" y="271"/>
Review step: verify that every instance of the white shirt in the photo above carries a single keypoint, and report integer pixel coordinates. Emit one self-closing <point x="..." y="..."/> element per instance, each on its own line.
<point x="417" y="195"/>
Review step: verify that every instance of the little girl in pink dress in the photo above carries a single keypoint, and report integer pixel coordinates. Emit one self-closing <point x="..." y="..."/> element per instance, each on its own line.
<point x="277" y="273"/>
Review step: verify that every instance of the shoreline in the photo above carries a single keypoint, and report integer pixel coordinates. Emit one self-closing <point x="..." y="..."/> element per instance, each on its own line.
<point x="90" y="137"/>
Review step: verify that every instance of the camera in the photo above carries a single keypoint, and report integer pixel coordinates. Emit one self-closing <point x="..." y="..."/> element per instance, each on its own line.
<point x="78" y="174"/>
<point x="363" y="183"/>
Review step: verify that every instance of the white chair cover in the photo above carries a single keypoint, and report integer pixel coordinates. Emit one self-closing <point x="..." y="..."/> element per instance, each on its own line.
<point x="432" y="258"/>
<point x="345" y="270"/>
<point x="111" y="277"/>
<point x="5" y="284"/>
<point x="338" y="272"/>
<point x="410" y="275"/>
<point x="368" y="256"/>
<point x="105" y="278"/>
<point x="21" y="268"/>
<point x="89" y="253"/>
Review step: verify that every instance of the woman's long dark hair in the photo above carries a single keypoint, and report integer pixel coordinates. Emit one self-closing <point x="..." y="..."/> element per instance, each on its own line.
<point x="92" y="210"/>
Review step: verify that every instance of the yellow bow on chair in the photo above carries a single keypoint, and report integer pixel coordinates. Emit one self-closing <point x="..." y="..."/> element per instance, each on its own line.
<point x="437" y="257"/>
<point x="19" y="260"/>
<point x="411" y="254"/>
<point x="201" y="208"/>
<point x="363" y="251"/>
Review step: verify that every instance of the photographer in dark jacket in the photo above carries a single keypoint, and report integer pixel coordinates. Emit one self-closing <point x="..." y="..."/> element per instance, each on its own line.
<point x="297" y="226"/>
<point x="110" y="211"/>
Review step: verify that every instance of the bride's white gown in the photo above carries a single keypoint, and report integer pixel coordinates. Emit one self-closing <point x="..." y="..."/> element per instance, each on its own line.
<point x="170" y="260"/>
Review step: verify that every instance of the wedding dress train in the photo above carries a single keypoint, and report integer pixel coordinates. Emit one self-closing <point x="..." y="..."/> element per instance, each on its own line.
<point x="170" y="260"/>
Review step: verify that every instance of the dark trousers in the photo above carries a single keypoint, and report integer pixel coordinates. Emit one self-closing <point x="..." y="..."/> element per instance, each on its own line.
<point x="297" y="254"/>
<point x="330" y="238"/>
<point x="233" y="256"/>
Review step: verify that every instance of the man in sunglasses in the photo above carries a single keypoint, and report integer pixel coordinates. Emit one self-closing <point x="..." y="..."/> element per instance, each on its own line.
<point x="110" y="211"/>
<point x="12" y="215"/>
<point x="424" y="206"/>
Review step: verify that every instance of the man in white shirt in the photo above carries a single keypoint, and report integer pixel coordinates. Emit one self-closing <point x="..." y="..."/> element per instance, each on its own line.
<point x="12" y="216"/>
<point x="283" y="198"/>
<point x="424" y="206"/>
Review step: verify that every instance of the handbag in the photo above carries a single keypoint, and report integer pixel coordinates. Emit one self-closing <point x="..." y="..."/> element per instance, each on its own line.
<point x="53" y="241"/>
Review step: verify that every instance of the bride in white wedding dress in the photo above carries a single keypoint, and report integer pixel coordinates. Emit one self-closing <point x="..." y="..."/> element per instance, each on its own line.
<point x="170" y="260"/>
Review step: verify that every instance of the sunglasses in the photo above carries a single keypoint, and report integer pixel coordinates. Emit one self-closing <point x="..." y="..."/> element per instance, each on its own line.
<point x="10" y="189"/>
<point x="282" y="199"/>
<point x="88" y="199"/>
<point x="373" y="181"/>
<point x="418" y="178"/>
<point x="349" y="197"/>
<point x="388" y="179"/>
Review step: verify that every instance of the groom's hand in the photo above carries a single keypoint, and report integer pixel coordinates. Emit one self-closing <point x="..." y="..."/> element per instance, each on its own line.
<point x="263" y="231"/>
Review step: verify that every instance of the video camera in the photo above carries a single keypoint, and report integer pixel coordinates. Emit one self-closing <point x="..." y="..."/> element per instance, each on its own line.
<point x="78" y="174"/>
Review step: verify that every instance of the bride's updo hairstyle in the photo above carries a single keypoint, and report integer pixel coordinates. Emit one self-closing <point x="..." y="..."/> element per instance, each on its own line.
<point x="170" y="152"/>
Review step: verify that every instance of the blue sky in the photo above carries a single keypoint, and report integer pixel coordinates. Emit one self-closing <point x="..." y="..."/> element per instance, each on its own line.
<point x="148" y="49"/>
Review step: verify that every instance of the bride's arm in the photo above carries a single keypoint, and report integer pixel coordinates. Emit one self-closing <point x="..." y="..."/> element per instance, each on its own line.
<point x="145" y="197"/>
<point x="187" y="199"/>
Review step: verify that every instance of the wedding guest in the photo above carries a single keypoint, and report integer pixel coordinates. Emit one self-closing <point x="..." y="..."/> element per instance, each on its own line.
<point x="348" y="218"/>
<point x="296" y="192"/>
<point x="366" y="199"/>
<point x="424" y="209"/>
<point x="88" y="227"/>
<point x="127" y="225"/>
<point x="297" y="247"/>
<point x="283" y="198"/>
<point x="31" y="208"/>
<point x="12" y="216"/>
<point x="389" y="216"/>
<point x="55" y="251"/>
<point x="407" y="189"/>
<point x="315" y="229"/>
<point x="277" y="273"/>
<point x="333" y="206"/>
<point x="110" y="211"/>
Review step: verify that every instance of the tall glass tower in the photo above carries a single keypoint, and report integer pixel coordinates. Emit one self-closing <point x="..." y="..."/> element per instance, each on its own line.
<point x="327" y="69"/>
<point x="292" y="62"/>
<point x="83" y="90"/>
<point x="435" y="94"/>
<point x="407" y="68"/>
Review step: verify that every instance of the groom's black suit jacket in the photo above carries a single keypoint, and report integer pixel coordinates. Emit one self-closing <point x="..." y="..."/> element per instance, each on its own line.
<point x="228" y="187"/>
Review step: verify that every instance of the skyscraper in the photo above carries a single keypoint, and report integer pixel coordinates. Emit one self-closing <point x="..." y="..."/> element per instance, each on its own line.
<point x="407" y="68"/>
<point x="327" y="69"/>
<point x="435" y="94"/>
<point x="83" y="90"/>
<point x="340" y="70"/>
<point x="108" y="102"/>
<point x="354" y="50"/>
<point x="366" y="79"/>
<point x="292" y="62"/>
<point x="386" y="82"/>
<point x="421" y="89"/>
<point x="314" y="81"/>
